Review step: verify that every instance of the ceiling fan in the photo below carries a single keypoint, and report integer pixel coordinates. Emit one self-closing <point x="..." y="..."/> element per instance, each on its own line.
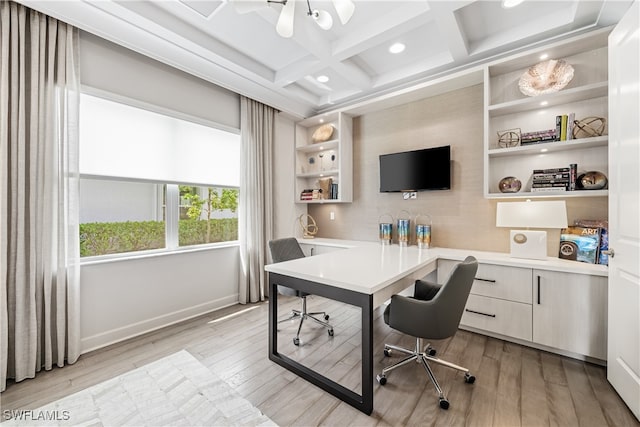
<point x="284" y="26"/>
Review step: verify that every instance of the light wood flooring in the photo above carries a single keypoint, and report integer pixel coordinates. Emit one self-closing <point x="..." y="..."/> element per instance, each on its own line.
<point x="515" y="385"/>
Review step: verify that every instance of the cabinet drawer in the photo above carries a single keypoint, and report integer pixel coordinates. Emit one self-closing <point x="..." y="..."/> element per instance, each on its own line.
<point x="508" y="318"/>
<point x="497" y="281"/>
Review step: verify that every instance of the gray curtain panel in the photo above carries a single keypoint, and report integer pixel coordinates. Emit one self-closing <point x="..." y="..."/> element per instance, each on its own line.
<point x="255" y="212"/>
<point x="39" y="242"/>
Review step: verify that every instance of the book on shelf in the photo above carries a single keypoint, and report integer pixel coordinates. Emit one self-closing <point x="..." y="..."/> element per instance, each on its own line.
<point x="603" y="226"/>
<point x="547" y="189"/>
<point x="536" y="137"/>
<point x="573" y="173"/>
<point x="570" y="125"/>
<point x="550" y="176"/>
<point x="333" y="191"/>
<point x="578" y="243"/>
<point x="564" y="126"/>
<point x="552" y="170"/>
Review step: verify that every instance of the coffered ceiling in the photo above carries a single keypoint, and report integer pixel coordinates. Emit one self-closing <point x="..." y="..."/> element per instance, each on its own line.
<point x="244" y="53"/>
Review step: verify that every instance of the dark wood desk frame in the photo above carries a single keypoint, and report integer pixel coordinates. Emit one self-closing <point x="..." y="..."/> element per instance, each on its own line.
<point x="362" y="402"/>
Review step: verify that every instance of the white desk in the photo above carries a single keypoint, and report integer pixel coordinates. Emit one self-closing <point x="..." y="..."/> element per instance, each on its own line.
<point x="366" y="275"/>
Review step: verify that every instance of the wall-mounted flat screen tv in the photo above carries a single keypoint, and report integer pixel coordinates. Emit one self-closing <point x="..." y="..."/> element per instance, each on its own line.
<point x="419" y="170"/>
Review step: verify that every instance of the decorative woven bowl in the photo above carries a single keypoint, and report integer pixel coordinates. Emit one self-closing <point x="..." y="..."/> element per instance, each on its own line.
<point x="323" y="133"/>
<point x="546" y="77"/>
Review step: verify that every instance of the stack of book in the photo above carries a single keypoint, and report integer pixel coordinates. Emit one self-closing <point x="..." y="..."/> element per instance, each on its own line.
<point x="310" y="194"/>
<point x="538" y="137"/>
<point x="557" y="179"/>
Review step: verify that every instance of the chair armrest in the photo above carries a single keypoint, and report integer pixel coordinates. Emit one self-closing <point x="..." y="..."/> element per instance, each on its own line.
<point x="410" y="315"/>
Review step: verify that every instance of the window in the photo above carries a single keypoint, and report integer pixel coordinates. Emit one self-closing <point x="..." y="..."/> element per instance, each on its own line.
<point x="153" y="182"/>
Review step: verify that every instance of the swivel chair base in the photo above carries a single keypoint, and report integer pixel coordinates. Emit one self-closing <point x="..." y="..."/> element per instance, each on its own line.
<point x="422" y="356"/>
<point x="303" y="315"/>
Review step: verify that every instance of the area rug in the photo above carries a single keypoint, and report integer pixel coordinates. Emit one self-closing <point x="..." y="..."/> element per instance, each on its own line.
<point x="175" y="391"/>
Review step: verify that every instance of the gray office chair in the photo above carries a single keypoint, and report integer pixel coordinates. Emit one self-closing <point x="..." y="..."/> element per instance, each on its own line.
<point x="433" y="312"/>
<point x="285" y="250"/>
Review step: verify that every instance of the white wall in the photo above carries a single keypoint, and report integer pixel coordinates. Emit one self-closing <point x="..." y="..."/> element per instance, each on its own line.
<point x="124" y="298"/>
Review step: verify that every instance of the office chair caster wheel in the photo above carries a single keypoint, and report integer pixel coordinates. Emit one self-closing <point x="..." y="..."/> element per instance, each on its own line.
<point x="431" y="351"/>
<point x="469" y="379"/>
<point x="296" y="341"/>
<point x="381" y="379"/>
<point x="387" y="352"/>
<point x="326" y="317"/>
<point x="444" y="403"/>
<point x="330" y="331"/>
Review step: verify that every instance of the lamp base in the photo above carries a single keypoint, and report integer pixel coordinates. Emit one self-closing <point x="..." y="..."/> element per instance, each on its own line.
<point x="528" y="244"/>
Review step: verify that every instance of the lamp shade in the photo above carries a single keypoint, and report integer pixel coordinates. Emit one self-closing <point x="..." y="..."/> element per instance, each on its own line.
<point x="544" y="214"/>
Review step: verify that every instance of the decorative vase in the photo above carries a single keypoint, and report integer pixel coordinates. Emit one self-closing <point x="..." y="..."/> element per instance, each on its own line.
<point x="509" y="184"/>
<point x="592" y="180"/>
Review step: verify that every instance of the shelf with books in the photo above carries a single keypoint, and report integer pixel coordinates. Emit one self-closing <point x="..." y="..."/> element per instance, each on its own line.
<point x="541" y="121"/>
<point x="553" y="146"/>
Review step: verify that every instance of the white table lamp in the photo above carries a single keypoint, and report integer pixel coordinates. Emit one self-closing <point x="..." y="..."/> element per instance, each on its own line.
<point x="529" y="243"/>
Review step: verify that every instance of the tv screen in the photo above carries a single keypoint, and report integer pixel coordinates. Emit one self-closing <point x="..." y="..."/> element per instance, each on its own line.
<point x="426" y="169"/>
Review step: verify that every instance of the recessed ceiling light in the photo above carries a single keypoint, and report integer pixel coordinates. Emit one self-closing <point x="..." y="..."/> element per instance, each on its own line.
<point x="544" y="150"/>
<point x="322" y="79"/>
<point x="543" y="103"/>
<point x="544" y="56"/>
<point x="507" y="4"/>
<point x="396" y="47"/>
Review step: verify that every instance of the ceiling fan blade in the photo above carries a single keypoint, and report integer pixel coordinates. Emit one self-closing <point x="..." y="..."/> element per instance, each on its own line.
<point x="284" y="27"/>
<point x="345" y="9"/>
<point x="246" y="6"/>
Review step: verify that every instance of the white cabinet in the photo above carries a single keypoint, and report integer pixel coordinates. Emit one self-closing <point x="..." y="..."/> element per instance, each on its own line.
<point x="327" y="159"/>
<point x="570" y="312"/>
<point x="557" y="310"/>
<point x="506" y="108"/>
<point x="500" y="299"/>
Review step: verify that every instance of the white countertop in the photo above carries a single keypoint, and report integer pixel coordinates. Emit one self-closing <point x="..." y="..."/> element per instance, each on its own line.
<point x="368" y="267"/>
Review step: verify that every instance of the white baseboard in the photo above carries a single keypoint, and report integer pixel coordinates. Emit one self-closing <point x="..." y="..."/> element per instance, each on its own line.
<point x="113" y="336"/>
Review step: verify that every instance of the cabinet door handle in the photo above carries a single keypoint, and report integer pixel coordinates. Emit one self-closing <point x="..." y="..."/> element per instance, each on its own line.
<point x="312" y="251"/>
<point x="485" y="280"/>
<point x="538" y="289"/>
<point x="479" y="312"/>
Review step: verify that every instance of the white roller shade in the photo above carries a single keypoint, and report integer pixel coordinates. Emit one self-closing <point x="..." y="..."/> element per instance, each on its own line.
<point x="121" y="141"/>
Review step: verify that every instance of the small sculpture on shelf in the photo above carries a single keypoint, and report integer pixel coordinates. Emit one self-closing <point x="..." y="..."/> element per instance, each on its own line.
<point x="310" y="229"/>
<point x="509" y="138"/>
<point x="509" y="184"/>
<point x="589" y="127"/>
<point x="592" y="180"/>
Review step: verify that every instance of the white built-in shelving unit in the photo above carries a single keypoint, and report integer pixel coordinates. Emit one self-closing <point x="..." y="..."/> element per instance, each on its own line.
<point x="507" y="108"/>
<point x="332" y="158"/>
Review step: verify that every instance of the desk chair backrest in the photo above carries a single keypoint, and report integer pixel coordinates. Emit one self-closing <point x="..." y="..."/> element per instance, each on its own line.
<point x="450" y="301"/>
<point x="282" y="250"/>
<point x="285" y="249"/>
